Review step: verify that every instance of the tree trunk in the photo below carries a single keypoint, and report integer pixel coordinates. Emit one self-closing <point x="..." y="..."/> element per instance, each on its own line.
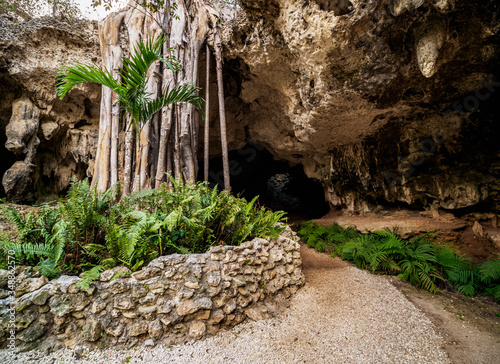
<point x="222" y="111"/>
<point x="166" y="125"/>
<point x="129" y="152"/>
<point x="169" y="142"/>
<point x="106" y="164"/>
<point x="195" y="115"/>
<point x="166" y="122"/>
<point x="137" y="180"/>
<point x="115" y="129"/>
<point x="206" y="144"/>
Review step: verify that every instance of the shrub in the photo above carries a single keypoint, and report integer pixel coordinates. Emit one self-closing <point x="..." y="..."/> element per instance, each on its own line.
<point x="419" y="264"/>
<point x="375" y="251"/>
<point x="326" y="238"/>
<point x="91" y="231"/>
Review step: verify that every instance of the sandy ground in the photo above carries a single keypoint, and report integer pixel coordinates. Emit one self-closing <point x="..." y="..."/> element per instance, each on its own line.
<point x="341" y="315"/>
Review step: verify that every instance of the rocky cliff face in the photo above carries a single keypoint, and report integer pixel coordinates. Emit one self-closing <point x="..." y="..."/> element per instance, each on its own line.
<point x="45" y="141"/>
<point x="385" y="102"/>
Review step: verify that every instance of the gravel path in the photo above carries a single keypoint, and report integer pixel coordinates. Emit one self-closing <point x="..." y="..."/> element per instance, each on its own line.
<point x="341" y="315"/>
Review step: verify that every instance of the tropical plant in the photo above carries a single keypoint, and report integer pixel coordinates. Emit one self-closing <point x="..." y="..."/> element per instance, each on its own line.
<point x="131" y="88"/>
<point x="490" y="275"/>
<point x="458" y="270"/>
<point x="376" y="251"/>
<point x="416" y="260"/>
<point x="324" y="238"/>
<point x="34" y="244"/>
<point x="89" y="231"/>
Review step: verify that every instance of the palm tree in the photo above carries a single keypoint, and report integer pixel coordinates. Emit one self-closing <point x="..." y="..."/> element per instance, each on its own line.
<point x="139" y="105"/>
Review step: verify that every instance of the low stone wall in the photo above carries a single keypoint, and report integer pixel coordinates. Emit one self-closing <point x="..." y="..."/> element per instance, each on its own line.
<point x="174" y="299"/>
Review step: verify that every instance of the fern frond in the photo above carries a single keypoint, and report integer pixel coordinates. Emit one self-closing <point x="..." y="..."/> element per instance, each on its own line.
<point x="494" y="290"/>
<point x="90" y="276"/>
<point x="490" y="271"/>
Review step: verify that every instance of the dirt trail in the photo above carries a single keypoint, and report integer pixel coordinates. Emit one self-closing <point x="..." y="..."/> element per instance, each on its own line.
<point x="470" y="327"/>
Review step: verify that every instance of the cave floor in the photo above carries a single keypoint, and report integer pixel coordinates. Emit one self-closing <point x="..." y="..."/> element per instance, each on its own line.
<point x="470" y="328"/>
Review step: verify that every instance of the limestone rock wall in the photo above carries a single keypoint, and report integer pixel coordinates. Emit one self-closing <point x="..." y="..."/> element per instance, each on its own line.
<point x="386" y="102"/>
<point x="351" y="89"/>
<point x="43" y="148"/>
<point x="173" y="299"/>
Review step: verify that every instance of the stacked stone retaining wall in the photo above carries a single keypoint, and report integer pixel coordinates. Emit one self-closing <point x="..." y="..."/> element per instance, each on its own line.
<point x="173" y="299"/>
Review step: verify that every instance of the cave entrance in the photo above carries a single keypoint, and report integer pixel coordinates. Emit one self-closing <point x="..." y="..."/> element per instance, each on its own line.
<point x="254" y="172"/>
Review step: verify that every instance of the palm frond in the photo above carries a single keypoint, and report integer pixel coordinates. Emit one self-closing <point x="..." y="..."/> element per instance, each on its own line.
<point x="145" y="53"/>
<point x="70" y="76"/>
<point x="179" y="93"/>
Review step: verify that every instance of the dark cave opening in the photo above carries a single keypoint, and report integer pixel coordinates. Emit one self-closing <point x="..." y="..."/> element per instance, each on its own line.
<point x="254" y="172"/>
<point x="339" y="7"/>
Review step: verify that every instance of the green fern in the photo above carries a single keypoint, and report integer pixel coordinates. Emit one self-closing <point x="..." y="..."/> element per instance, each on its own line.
<point x="459" y="271"/>
<point x="89" y="229"/>
<point x="490" y="275"/>
<point x="120" y="274"/>
<point x="418" y="266"/>
<point x="49" y="268"/>
<point x="332" y="237"/>
<point x="490" y="271"/>
<point x="89" y="276"/>
<point x="493" y="290"/>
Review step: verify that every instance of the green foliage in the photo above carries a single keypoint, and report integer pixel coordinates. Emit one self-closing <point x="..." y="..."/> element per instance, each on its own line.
<point x="185" y="219"/>
<point x="459" y="271"/>
<point x="34" y="244"/>
<point x="490" y="271"/>
<point x="375" y="251"/>
<point x="416" y="260"/>
<point x="419" y="264"/>
<point x="326" y="238"/>
<point x="89" y="276"/>
<point x="132" y="89"/>
<point x="490" y="275"/>
<point x="89" y="231"/>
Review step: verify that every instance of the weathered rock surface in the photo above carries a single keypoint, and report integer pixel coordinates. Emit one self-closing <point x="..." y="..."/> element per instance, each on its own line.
<point x="385" y="102"/>
<point x="48" y="140"/>
<point x="22" y="140"/>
